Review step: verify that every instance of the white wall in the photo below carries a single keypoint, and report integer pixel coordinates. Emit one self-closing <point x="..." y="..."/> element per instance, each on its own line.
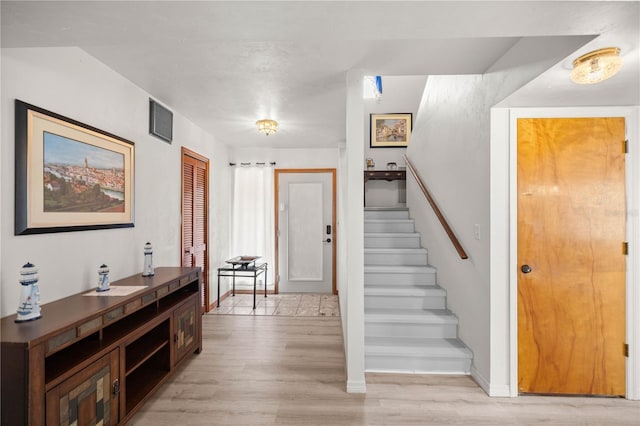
<point x="69" y="82"/>
<point x="354" y="241"/>
<point x="342" y="246"/>
<point x="400" y="94"/>
<point x="452" y="149"/>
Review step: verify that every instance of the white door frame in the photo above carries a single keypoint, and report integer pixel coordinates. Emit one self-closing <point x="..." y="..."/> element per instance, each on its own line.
<point x="508" y="243"/>
<point x="276" y="181"/>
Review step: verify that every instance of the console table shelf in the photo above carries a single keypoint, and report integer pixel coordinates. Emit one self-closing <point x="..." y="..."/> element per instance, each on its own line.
<point x="109" y="352"/>
<point x="385" y="175"/>
<point x="147" y="346"/>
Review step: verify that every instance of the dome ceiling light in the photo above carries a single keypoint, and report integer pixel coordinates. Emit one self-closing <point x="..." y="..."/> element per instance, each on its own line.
<point x="267" y="126"/>
<point x="596" y="66"/>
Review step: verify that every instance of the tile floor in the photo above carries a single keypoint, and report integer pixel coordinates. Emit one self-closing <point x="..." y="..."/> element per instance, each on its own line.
<point x="294" y="305"/>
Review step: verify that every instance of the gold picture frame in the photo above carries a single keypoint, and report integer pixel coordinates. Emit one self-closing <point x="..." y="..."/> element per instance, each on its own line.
<point x="69" y="176"/>
<point x="390" y="130"/>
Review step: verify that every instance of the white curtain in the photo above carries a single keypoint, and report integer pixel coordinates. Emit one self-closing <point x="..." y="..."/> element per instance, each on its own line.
<point x="252" y="227"/>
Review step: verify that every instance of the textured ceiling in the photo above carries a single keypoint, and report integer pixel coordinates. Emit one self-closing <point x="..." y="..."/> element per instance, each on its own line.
<point x="226" y="64"/>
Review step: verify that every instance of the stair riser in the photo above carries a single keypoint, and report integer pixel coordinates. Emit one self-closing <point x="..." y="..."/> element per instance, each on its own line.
<point x="416" y="364"/>
<point x="386" y="214"/>
<point x="378" y="329"/>
<point x="389" y="278"/>
<point x="392" y="242"/>
<point x="405" y="302"/>
<point x="399" y="259"/>
<point x="388" y="226"/>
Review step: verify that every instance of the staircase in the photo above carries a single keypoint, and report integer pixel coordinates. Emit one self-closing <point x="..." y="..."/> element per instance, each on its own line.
<point x="407" y="325"/>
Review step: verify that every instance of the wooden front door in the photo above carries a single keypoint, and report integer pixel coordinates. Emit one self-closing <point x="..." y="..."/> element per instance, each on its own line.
<point x="571" y="266"/>
<point x="195" y="206"/>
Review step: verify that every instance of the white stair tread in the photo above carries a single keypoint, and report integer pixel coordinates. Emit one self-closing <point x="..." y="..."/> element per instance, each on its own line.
<point x="394" y="250"/>
<point x="407" y="346"/>
<point x="404" y="290"/>
<point x="399" y="269"/>
<point x="391" y="234"/>
<point x="388" y="221"/>
<point x="424" y="316"/>
<point x="386" y="209"/>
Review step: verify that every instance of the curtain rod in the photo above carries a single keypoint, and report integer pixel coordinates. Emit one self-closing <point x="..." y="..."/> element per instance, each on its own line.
<point x="272" y="163"/>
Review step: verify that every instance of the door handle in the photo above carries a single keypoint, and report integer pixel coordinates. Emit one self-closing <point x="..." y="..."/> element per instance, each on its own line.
<point x="525" y="269"/>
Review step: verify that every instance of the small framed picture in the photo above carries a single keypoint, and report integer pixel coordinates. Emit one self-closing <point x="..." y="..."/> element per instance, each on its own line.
<point x="390" y="130"/>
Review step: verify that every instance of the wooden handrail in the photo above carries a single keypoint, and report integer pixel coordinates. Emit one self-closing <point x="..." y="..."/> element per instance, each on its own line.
<point x="436" y="210"/>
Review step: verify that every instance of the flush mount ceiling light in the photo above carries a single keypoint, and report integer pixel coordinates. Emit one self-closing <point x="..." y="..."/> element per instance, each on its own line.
<point x="267" y="126"/>
<point x="596" y="66"/>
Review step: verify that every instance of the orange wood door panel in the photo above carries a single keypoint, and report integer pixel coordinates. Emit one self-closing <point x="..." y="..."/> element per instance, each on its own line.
<point x="195" y="207"/>
<point x="571" y="226"/>
<point x="188" y="172"/>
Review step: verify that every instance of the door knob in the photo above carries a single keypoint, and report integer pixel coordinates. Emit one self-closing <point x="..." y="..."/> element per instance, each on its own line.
<point x="525" y="269"/>
<point x="328" y="240"/>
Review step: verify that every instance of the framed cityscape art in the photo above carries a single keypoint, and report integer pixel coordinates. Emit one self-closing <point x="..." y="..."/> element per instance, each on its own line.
<point x="69" y="176"/>
<point x="390" y="130"/>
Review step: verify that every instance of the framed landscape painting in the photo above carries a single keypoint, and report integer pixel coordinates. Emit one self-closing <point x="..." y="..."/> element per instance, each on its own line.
<point x="390" y="130"/>
<point x="69" y="176"/>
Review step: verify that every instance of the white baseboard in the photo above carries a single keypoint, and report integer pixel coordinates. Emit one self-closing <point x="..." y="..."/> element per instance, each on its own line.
<point x="498" y="391"/>
<point x="480" y="380"/>
<point x="356" y="386"/>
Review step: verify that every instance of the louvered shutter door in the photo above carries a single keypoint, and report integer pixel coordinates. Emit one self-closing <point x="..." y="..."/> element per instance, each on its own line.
<point x="195" y="184"/>
<point x="187" y="211"/>
<point x="200" y="226"/>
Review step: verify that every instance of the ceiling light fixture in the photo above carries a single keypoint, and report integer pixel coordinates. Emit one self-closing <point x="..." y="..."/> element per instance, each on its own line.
<point x="267" y="126"/>
<point x="596" y="66"/>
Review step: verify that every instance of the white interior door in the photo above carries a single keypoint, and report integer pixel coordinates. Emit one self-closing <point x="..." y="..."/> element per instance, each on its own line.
<point x="305" y="224"/>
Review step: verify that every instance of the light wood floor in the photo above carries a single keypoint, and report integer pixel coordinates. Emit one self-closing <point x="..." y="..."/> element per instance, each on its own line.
<point x="271" y="370"/>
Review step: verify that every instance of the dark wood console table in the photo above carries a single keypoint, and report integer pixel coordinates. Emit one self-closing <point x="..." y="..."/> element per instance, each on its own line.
<point x="93" y="359"/>
<point x="388" y="175"/>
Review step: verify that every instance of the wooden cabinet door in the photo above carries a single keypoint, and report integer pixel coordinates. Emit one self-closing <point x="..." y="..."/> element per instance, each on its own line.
<point x="87" y="398"/>
<point x="185" y="330"/>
